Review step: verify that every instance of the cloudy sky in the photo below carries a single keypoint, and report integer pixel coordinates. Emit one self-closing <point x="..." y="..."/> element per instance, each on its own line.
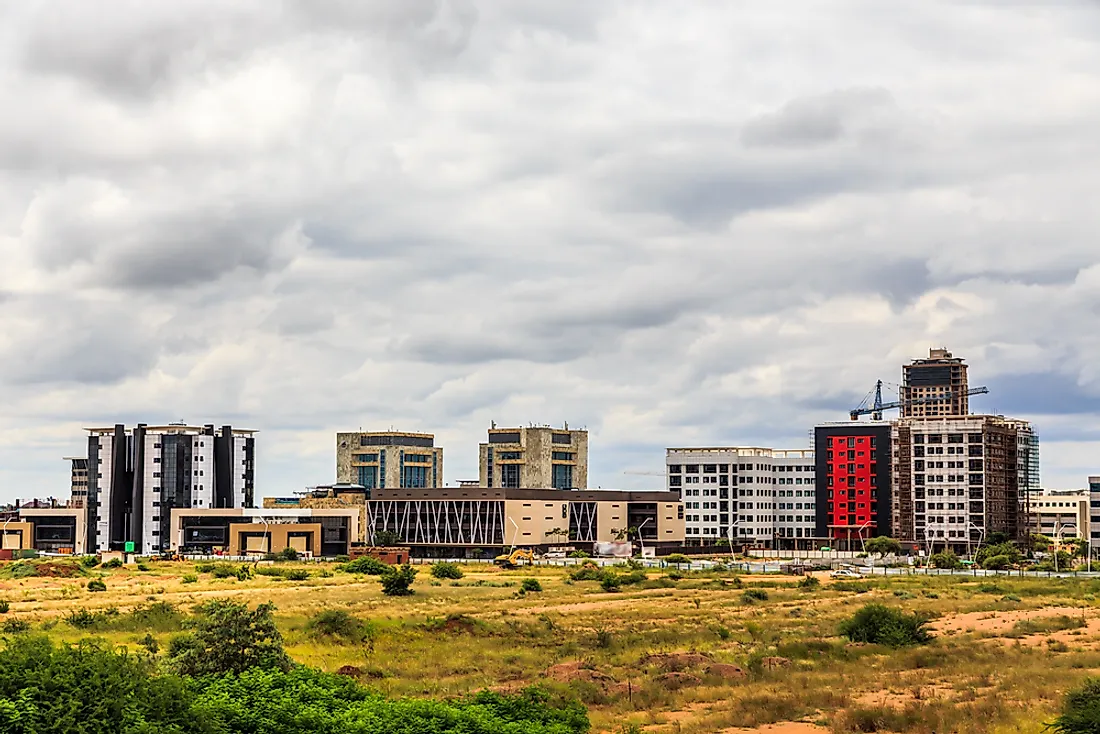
<point x="673" y="223"/>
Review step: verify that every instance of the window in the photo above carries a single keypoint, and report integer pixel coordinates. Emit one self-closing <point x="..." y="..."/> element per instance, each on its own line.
<point x="563" y="456"/>
<point x="563" y="476"/>
<point x="509" y="475"/>
<point x="510" y="455"/>
<point x="673" y="468"/>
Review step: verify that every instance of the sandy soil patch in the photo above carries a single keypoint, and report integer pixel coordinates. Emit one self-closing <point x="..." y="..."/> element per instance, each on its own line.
<point x="996" y="623"/>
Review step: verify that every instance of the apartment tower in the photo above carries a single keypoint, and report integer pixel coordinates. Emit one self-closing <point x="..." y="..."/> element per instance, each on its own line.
<point x="934" y="386"/>
<point x="536" y="457"/>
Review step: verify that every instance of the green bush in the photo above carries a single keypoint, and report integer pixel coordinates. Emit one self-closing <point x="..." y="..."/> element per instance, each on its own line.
<point x="809" y="583"/>
<point x="287" y="554"/>
<point x="530" y="585"/>
<point x="579" y="554"/>
<point x="15" y="626"/>
<point x="296" y="574"/>
<point x="946" y="559"/>
<point x="97" y="585"/>
<point x="367" y="565"/>
<point x="89" y="561"/>
<point x="446" y="570"/>
<point x="397" y="580"/>
<point x="338" y="624"/>
<point x="1080" y="710"/>
<point x="754" y="595"/>
<point x="223" y="570"/>
<point x="996" y="563"/>
<point x="143" y="567"/>
<point x="189" y="578"/>
<point x="5" y="607"/>
<point x="587" y="572"/>
<point x="228" y="637"/>
<point x="677" y="558"/>
<point x="610" y="581"/>
<point x="342" y="558"/>
<point x="882" y="625"/>
<point x="1009" y="551"/>
<point x="113" y="563"/>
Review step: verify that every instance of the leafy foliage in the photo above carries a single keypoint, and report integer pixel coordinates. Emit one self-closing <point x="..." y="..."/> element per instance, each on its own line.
<point x="882" y="625"/>
<point x="883" y="545"/>
<point x="446" y="570"/>
<point x="677" y="558"/>
<point x="97" y="585"/>
<point x="945" y="559"/>
<point x="228" y="637"/>
<point x="338" y="624"/>
<point x="397" y="580"/>
<point x="754" y="595"/>
<point x="1080" y="710"/>
<point x="386" y="538"/>
<point x="367" y="565"/>
<point x="1010" y="553"/>
<point x="809" y="583"/>
<point x="531" y="585"/>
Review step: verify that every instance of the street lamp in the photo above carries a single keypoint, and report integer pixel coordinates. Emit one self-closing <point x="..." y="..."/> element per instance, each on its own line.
<point x="267" y="534"/>
<point x="863" y="543"/>
<point x="981" y="539"/>
<point x="729" y="535"/>
<point x="1058" y="528"/>
<point x="641" y="540"/>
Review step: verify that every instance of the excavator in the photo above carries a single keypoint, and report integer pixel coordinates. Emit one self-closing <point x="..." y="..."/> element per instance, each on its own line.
<point x="515" y="559"/>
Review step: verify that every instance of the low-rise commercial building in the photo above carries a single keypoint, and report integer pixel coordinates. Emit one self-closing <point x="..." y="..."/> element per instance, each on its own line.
<point x="1061" y="513"/>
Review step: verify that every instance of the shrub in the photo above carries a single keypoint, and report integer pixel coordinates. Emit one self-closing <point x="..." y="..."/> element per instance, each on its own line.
<point x="287" y="554"/>
<point x="367" y="565"/>
<point x="342" y="558"/>
<point x="189" y="578"/>
<point x="113" y="563"/>
<point x="228" y="637"/>
<point x="97" y="585"/>
<point x="611" y="582"/>
<point x="530" y="585"/>
<point x="15" y="626"/>
<point x="579" y="554"/>
<point x="603" y="639"/>
<point x="446" y="570"/>
<point x="945" y="559"/>
<point x="397" y="580"/>
<point x="83" y="619"/>
<point x="996" y="563"/>
<point x="809" y="583"/>
<point x="881" y="625"/>
<point x="223" y="570"/>
<point x="89" y="561"/>
<point x="338" y="624"/>
<point x="754" y="595"/>
<point x="297" y="574"/>
<point x="677" y="558"/>
<point x="883" y="545"/>
<point x="1080" y="710"/>
<point x="143" y="567"/>
<point x="587" y="572"/>
<point x="5" y="607"/>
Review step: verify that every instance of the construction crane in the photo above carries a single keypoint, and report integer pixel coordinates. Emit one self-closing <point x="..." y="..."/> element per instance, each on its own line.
<point x="873" y="406"/>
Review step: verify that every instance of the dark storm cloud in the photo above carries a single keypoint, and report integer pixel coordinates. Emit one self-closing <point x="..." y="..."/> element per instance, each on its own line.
<point x="692" y="223"/>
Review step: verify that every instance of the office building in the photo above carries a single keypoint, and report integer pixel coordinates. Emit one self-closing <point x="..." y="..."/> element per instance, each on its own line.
<point x="853" y="481"/>
<point x="1061" y="513"/>
<point x="934" y="386"/>
<point x="78" y="468"/>
<point x="534" y="457"/>
<point x="387" y="459"/>
<point x="747" y="495"/>
<point x="136" y="475"/>
<point x="957" y="479"/>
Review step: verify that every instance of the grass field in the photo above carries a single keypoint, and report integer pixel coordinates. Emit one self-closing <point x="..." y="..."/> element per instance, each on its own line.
<point x="1003" y="655"/>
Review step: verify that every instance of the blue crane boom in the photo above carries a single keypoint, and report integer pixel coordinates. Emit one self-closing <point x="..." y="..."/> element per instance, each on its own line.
<point x="872" y="404"/>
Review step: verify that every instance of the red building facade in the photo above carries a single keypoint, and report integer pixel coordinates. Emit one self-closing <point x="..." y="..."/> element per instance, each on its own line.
<point x="853" y="481"/>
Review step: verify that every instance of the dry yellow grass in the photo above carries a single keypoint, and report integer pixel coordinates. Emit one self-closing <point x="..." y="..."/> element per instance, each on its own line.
<point x="498" y="638"/>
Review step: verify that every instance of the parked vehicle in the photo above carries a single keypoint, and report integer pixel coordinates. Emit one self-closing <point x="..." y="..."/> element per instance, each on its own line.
<point x="846" y="573"/>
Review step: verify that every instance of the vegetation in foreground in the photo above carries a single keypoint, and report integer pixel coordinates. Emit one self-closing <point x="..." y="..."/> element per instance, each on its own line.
<point x="672" y="651"/>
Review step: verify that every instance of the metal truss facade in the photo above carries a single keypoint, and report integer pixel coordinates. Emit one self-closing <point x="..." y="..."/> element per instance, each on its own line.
<point x="582" y="522"/>
<point x="439" y="522"/>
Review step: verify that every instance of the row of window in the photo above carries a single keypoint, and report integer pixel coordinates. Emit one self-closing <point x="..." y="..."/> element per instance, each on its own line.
<point x="725" y="468"/>
<point x="946" y="438"/>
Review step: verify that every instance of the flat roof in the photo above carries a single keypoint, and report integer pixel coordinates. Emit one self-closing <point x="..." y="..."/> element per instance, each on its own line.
<point x="510" y="493"/>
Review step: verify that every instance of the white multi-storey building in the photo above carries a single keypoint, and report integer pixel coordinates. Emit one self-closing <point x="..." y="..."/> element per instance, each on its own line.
<point x="760" y="496"/>
<point x="137" y="476"/>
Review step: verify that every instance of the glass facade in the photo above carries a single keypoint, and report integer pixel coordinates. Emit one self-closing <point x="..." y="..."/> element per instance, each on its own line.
<point x="563" y="476"/>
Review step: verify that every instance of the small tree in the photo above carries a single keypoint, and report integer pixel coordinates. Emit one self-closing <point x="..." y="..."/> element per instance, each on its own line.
<point x="1080" y="710"/>
<point x="446" y="570"/>
<point x="1006" y="553"/>
<point x="619" y="533"/>
<point x="945" y="559"/>
<point x="881" y="625"/>
<point x="397" y="580"/>
<point x="883" y="546"/>
<point x="229" y="638"/>
<point x="386" y="537"/>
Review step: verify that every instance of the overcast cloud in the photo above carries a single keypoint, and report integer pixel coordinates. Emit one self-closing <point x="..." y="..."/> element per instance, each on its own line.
<point x="673" y="223"/>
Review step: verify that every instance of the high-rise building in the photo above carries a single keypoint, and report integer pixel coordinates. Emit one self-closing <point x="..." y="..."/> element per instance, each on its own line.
<point x="759" y="496"/>
<point x="957" y="479"/>
<point x="136" y="476"/>
<point x="854" y="493"/>
<point x="536" y="457"/>
<point x="79" y="472"/>
<point x="934" y="386"/>
<point x="388" y="460"/>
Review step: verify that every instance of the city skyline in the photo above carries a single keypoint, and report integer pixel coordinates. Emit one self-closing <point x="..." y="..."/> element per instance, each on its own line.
<point x="638" y="217"/>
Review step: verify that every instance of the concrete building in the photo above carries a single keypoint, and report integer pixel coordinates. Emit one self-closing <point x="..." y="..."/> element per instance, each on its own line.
<point x="853" y="482"/>
<point x="536" y="457"/>
<point x="749" y="495"/>
<point x="386" y="459"/>
<point x="78" y="468"/>
<point x="934" y="386"/>
<point x="46" y="526"/>
<point x="957" y="479"/>
<point x="136" y="476"/>
<point x="1062" y="513"/>
<point x="437" y="522"/>
<point x="333" y="496"/>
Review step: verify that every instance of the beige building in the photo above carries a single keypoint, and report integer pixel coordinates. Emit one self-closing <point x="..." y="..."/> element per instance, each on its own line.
<point x="534" y="457"/>
<point x="79" y="472"/>
<point x="1061" y="513"/>
<point x="387" y="459"/>
<point x="52" y="529"/>
<point x="237" y="531"/>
